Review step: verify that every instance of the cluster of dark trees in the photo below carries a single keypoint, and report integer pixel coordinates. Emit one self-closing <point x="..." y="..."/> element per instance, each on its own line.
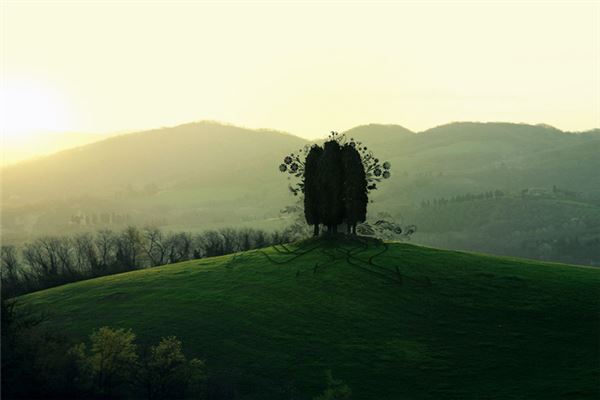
<point x="56" y="260"/>
<point x="335" y="180"/>
<point x="335" y="187"/>
<point x="40" y="363"/>
<point x="492" y="194"/>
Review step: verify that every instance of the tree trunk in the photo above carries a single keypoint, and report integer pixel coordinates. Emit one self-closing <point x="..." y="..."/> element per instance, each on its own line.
<point x="316" y="232"/>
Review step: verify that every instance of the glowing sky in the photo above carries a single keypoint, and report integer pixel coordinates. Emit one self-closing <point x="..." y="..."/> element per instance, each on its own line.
<point x="299" y="67"/>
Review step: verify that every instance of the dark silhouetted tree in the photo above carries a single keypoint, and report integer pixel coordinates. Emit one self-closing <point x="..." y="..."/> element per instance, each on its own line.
<point x="311" y="187"/>
<point x="355" y="188"/>
<point x="331" y="206"/>
<point x="130" y="247"/>
<point x="9" y="269"/>
<point x="335" y="180"/>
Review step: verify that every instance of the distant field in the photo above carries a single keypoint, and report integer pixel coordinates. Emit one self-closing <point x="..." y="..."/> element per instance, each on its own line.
<point x="394" y="321"/>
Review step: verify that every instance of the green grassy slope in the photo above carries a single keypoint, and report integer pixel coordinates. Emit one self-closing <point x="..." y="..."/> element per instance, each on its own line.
<point x="414" y="323"/>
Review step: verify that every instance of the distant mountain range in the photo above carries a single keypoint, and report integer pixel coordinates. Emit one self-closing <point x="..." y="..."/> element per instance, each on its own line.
<point x="206" y="174"/>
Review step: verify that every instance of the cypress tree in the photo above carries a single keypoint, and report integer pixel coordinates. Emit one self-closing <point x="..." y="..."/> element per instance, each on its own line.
<point x="311" y="187"/>
<point x="354" y="188"/>
<point x="331" y="206"/>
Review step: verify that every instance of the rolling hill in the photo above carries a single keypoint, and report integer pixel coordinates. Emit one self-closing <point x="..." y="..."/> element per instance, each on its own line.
<point x="203" y="173"/>
<point x="188" y="155"/>
<point x="207" y="175"/>
<point x="394" y="321"/>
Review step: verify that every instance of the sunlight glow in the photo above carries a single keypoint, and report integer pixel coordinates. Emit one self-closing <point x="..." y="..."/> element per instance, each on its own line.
<point x="304" y="68"/>
<point x="28" y="108"/>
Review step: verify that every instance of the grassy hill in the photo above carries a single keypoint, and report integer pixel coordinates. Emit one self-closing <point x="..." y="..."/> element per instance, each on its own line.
<point x="394" y="321"/>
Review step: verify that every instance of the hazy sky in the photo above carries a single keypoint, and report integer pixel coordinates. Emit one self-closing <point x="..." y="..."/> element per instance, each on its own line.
<point x="299" y="67"/>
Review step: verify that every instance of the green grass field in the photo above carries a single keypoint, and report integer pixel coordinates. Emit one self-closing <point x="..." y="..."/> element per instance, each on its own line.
<point x="394" y="321"/>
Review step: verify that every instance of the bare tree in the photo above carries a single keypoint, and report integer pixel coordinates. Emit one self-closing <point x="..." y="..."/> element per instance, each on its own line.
<point x="155" y="246"/>
<point x="38" y="258"/>
<point x="49" y="257"/>
<point x="86" y="253"/>
<point x="106" y="245"/>
<point x="10" y="262"/>
<point x="211" y="243"/>
<point x="129" y="248"/>
<point x="10" y="269"/>
<point x="261" y="239"/>
<point x="230" y="240"/>
<point x="63" y="248"/>
<point x="179" y="246"/>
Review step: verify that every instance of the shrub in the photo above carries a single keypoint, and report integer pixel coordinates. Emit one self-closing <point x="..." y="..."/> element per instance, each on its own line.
<point x="113" y="358"/>
<point x="166" y="373"/>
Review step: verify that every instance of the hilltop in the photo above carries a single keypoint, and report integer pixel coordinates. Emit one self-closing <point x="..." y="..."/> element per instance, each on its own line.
<point x="392" y="320"/>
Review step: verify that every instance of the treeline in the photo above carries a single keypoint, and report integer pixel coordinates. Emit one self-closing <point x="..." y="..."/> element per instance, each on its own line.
<point x="55" y="260"/>
<point x="442" y="201"/>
